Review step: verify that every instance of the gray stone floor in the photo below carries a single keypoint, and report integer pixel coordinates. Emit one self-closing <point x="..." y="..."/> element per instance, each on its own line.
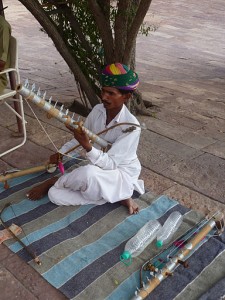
<point x="182" y="67"/>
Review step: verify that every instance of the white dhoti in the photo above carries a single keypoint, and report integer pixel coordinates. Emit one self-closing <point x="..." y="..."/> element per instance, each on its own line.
<point x="91" y="185"/>
<point x="111" y="176"/>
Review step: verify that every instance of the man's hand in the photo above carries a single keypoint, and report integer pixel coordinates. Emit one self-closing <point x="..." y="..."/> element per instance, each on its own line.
<point x="81" y="136"/>
<point x="2" y="65"/>
<point x="55" y="158"/>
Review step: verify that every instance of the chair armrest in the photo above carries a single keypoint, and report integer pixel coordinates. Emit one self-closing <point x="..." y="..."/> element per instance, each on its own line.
<point x="8" y="70"/>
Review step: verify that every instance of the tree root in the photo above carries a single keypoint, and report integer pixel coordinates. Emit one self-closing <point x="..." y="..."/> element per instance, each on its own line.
<point x="139" y="106"/>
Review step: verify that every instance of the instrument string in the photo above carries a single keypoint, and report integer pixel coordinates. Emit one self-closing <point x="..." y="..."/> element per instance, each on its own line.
<point x="48" y="136"/>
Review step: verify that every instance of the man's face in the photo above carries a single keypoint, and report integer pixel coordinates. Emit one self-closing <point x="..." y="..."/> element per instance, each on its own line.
<point x="112" y="99"/>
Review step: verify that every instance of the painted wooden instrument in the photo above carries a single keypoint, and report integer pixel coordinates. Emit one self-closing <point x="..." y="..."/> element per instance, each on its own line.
<point x="29" y="94"/>
<point x="180" y="256"/>
<point x="50" y="168"/>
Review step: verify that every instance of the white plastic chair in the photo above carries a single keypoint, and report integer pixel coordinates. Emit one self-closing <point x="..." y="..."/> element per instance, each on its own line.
<point x="8" y="93"/>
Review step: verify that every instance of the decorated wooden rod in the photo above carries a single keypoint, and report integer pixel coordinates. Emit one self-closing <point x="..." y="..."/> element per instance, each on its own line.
<point x="180" y="257"/>
<point x="50" y="168"/>
<point x="29" y="94"/>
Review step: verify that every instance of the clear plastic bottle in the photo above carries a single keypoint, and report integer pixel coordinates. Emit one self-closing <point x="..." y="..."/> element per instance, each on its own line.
<point x="140" y="241"/>
<point x="169" y="228"/>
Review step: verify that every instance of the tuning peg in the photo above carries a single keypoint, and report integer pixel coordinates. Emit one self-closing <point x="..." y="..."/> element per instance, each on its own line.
<point x="67" y="111"/>
<point x="39" y="92"/>
<point x="33" y="87"/>
<point x="72" y="115"/>
<point x="44" y="95"/>
<point x="50" y="100"/>
<point x="183" y="263"/>
<point x="169" y="274"/>
<point x="26" y="83"/>
<point x="61" y="108"/>
<point x="55" y="102"/>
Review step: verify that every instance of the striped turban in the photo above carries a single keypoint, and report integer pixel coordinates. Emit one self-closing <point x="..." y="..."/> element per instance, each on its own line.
<point x="119" y="76"/>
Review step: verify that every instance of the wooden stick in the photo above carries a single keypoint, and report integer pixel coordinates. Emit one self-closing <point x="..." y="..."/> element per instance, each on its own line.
<point x="5" y="177"/>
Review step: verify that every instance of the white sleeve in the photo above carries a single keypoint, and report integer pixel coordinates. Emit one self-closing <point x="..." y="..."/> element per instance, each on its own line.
<point x="122" y="150"/>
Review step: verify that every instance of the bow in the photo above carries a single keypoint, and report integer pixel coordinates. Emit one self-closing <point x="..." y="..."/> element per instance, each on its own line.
<point x="32" y="254"/>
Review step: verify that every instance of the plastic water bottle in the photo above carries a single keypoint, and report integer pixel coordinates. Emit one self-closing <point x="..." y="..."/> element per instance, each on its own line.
<point x="140" y="241"/>
<point x="169" y="228"/>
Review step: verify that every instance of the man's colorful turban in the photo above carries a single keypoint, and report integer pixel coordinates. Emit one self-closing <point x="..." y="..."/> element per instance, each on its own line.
<point x="119" y="76"/>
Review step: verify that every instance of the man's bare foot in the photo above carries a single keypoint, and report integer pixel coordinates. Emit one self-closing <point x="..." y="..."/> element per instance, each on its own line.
<point x="131" y="205"/>
<point x="41" y="190"/>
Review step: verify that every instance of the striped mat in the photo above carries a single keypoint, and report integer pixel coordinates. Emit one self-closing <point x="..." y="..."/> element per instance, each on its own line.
<point x="80" y="247"/>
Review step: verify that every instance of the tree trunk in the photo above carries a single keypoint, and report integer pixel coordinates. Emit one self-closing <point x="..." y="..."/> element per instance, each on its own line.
<point x="53" y="33"/>
<point x="89" y="33"/>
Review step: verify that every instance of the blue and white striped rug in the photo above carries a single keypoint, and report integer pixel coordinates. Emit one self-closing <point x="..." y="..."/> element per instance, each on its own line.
<point x="80" y="247"/>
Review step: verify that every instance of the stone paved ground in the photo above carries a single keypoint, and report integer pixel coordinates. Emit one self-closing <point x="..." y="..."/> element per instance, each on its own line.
<point x="182" y="67"/>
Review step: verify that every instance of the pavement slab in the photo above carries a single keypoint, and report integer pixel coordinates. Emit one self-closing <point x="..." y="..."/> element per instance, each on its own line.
<point x="194" y="199"/>
<point x="179" y="133"/>
<point x="24" y="156"/>
<point x="12" y="288"/>
<point x="20" y="281"/>
<point x="156" y="183"/>
<point x="205" y="174"/>
<point x="216" y="149"/>
<point x="155" y="148"/>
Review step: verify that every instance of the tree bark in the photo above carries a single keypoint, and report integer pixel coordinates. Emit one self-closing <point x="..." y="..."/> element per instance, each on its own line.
<point x="120" y="29"/>
<point x="104" y="29"/>
<point x="135" y="26"/>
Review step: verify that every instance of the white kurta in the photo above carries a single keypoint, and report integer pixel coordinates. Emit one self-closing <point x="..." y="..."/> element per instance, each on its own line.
<point x="111" y="176"/>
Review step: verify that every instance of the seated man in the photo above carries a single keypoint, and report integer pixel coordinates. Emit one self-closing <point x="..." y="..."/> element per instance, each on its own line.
<point x="111" y="176"/>
<point x="5" y="34"/>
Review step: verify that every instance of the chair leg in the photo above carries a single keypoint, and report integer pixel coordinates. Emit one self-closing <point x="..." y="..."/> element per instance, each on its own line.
<point x="23" y="122"/>
<point x="12" y="79"/>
